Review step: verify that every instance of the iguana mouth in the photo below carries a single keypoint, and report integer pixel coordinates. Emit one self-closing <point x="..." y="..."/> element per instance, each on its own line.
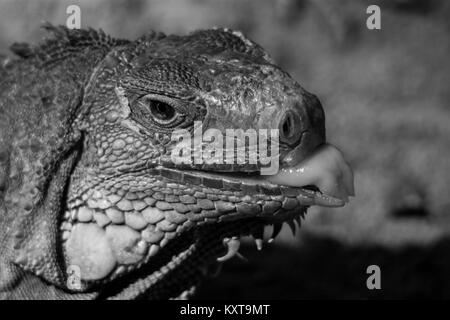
<point x="111" y="234"/>
<point x="325" y="172"/>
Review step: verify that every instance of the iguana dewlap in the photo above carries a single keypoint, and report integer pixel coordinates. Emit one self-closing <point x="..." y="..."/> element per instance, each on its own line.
<point x="92" y="205"/>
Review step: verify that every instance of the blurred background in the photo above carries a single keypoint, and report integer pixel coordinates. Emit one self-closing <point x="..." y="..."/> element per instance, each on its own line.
<point x="386" y="98"/>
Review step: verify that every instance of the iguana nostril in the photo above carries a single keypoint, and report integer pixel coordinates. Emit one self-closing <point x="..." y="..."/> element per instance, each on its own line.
<point x="290" y="127"/>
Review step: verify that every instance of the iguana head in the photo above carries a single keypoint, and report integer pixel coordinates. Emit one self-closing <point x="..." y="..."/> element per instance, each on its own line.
<point x="147" y="214"/>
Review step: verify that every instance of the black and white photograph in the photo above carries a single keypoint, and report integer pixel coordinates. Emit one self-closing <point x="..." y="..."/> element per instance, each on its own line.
<point x="224" y="150"/>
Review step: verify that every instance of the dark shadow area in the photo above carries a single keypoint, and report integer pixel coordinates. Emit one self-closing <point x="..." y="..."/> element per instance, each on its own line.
<point x="411" y="212"/>
<point x="414" y="6"/>
<point x="326" y="269"/>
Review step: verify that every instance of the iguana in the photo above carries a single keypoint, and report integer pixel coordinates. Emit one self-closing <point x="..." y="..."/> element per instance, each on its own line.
<point x="89" y="190"/>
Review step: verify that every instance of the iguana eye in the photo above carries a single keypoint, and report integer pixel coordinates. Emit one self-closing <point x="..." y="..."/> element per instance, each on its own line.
<point x="159" y="111"/>
<point x="162" y="112"/>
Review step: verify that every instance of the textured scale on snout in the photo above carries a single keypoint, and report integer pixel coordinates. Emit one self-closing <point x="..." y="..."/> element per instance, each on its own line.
<point x="106" y="197"/>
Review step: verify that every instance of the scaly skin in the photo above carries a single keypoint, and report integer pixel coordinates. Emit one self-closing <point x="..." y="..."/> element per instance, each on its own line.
<point x="86" y="177"/>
